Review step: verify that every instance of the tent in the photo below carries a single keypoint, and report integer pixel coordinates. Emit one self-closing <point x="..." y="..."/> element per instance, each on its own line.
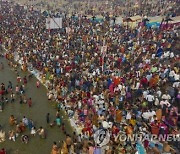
<point x="154" y="22"/>
<point x="133" y="20"/>
<point x="136" y="18"/>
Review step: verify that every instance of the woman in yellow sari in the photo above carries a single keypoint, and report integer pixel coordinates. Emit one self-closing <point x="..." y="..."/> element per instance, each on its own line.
<point x="64" y="149"/>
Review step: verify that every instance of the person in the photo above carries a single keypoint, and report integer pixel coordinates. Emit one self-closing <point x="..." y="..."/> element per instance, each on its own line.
<point x="37" y="84"/>
<point x="2" y="136"/>
<point x="12" y="136"/>
<point x="52" y="124"/>
<point x="18" y="78"/>
<point x="47" y="118"/>
<point x="41" y="132"/>
<point x="12" y="120"/>
<point x="58" y="121"/>
<point x="33" y="131"/>
<point x="25" y="139"/>
<point x="12" y="97"/>
<point x="29" y="102"/>
<point x="25" y="80"/>
<point x="3" y="151"/>
<point x="55" y="149"/>
<point x="95" y="87"/>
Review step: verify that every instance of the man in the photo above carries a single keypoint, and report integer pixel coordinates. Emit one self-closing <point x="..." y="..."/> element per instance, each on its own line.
<point x="2" y="151"/>
<point x="150" y="99"/>
<point x="47" y="118"/>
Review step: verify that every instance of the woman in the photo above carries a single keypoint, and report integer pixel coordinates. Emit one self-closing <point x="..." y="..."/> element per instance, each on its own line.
<point x="58" y="121"/>
<point x="12" y="136"/>
<point x="12" y="120"/>
<point x="41" y="132"/>
<point x="33" y="131"/>
<point x="64" y="149"/>
<point x="29" y="102"/>
<point x="55" y="149"/>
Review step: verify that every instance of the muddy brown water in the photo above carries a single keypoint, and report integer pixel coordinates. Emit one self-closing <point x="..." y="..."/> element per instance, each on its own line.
<point x="40" y="107"/>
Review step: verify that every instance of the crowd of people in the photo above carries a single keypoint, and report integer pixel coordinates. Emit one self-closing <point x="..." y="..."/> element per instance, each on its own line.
<point x="116" y="7"/>
<point x="128" y="86"/>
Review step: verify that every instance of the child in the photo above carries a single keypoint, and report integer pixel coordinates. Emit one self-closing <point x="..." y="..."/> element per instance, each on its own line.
<point x="6" y="100"/>
<point x="52" y="124"/>
<point x="30" y="102"/>
<point x="63" y="127"/>
<point x="18" y="79"/>
<point x="37" y="84"/>
<point x="33" y="131"/>
<point x="17" y="89"/>
<point x="12" y="97"/>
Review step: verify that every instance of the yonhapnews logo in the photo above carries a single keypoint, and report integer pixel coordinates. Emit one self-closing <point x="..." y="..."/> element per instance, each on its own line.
<point x="102" y="137"/>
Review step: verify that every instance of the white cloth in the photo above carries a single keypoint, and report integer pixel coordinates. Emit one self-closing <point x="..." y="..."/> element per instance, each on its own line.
<point x="150" y="98"/>
<point x="165" y="103"/>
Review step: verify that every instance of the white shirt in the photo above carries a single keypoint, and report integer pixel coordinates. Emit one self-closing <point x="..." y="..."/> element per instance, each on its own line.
<point x="171" y="55"/>
<point x="147" y="115"/>
<point x="166" y="96"/>
<point x="165" y="103"/>
<point x="145" y="93"/>
<point x="176" y="84"/>
<point x="159" y="93"/>
<point x="137" y="85"/>
<point x="176" y="77"/>
<point x="156" y="101"/>
<point x="150" y="98"/>
<point x="172" y="73"/>
<point x="128" y="116"/>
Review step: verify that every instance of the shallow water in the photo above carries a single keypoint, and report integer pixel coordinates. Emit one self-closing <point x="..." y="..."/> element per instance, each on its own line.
<point x="40" y="107"/>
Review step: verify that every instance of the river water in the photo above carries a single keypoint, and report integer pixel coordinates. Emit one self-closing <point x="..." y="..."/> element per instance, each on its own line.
<point x="40" y="107"/>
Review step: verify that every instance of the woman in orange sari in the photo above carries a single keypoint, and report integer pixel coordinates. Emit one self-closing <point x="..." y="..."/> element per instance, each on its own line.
<point x="55" y="149"/>
<point x="118" y="116"/>
<point x="12" y="120"/>
<point x="154" y="81"/>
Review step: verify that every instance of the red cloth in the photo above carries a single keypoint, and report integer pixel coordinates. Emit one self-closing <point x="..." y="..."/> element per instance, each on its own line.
<point x="2" y="151"/>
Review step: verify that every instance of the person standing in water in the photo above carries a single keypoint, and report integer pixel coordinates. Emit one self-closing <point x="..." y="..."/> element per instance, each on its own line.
<point x="47" y="118"/>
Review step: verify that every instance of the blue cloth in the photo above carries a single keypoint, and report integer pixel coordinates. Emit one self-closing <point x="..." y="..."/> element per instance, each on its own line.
<point x="159" y="52"/>
<point x="109" y="82"/>
<point x="58" y="71"/>
<point x="140" y="148"/>
<point x="97" y="151"/>
<point x="58" y="121"/>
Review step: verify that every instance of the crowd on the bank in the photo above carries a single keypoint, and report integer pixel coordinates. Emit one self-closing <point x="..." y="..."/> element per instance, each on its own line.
<point x="116" y="7"/>
<point x="130" y="88"/>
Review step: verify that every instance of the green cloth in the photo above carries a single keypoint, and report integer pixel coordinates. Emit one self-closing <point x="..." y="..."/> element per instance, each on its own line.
<point x="154" y="69"/>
